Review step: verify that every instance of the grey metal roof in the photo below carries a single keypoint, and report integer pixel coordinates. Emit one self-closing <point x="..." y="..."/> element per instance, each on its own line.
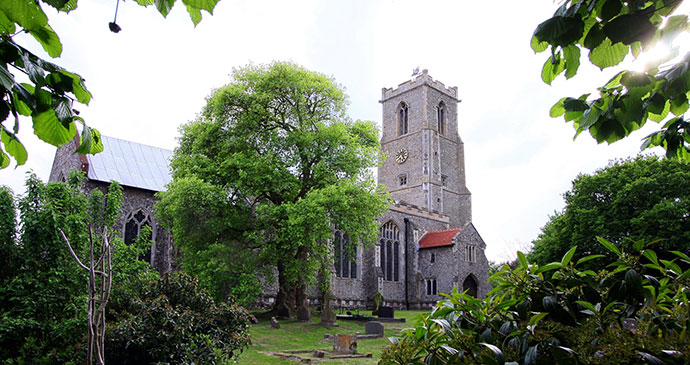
<point x="130" y="164"/>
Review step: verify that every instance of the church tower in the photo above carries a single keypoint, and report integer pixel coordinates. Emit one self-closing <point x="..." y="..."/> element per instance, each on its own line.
<point x="425" y="164"/>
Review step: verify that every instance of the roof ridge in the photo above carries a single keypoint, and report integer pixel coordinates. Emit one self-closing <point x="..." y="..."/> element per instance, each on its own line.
<point x="128" y="141"/>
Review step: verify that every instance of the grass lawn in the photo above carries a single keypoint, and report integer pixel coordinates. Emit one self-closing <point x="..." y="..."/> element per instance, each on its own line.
<point x="294" y="335"/>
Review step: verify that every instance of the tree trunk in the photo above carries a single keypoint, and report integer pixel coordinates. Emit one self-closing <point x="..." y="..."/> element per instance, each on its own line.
<point x="284" y="305"/>
<point x="301" y="298"/>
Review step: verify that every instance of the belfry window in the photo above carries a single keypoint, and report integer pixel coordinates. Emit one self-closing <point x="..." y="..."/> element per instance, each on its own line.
<point x="136" y="220"/>
<point x="402" y="180"/>
<point x="345" y="255"/>
<point x="389" y="240"/>
<point x="402" y="119"/>
<point x="441" y="117"/>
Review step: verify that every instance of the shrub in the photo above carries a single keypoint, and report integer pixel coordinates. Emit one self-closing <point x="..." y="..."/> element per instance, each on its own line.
<point x="172" y="320"/>
<point x="634" y="311"/>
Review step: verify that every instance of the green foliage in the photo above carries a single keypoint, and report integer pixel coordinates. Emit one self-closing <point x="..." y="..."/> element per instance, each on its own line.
<point x="610" y="30"/>
<point x="266" y="171"/>
<point x="641" y="199"/>
<point x="172" y="320"/>
<point x="635" y="312"/>
<point x="43" y="296"/>
<point x="49" y="97"/>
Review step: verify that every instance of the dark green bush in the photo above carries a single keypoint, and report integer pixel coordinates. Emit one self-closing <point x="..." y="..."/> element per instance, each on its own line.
<point x="635" y="311"/>
<point x="172" y="320"/>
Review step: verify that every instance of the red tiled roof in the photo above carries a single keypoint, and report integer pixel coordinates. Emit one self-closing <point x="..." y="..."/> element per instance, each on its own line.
<point x="438" y="238"/>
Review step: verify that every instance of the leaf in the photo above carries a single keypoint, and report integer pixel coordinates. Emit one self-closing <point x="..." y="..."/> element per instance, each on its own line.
<point x="609" y="130"/>
<point x="6" y="28"/>
<point x="560" y="31"/>
<point x="4" y="159"/>
<point x="531" y="355"/>
<point x="651" y="256"/>
<point x="78" y="87"/>
<point x="551" y="70"/>
<point x="609" y="246"/>
<point x="549" y="266"/>
<point x="672" y="265"/>
<point x="550" y="304"/>
<point x="194" y="14"/>
<point x="630" y="28"/>
<point x="607" y="54"/>
<point x="49" y="129"/>
<point x="568" y="256"/>
<point x="649" y="358"/>
<point x="574" y="105"/>
<point x="538" y="46"/>
<point x="498" y="354"/>
<point x="610" y="9"/>
<point x="49" y="40"/>
<point x="164" y="6"/>
<point x="27" y="13"/>
<point x="13" y="146"/>
<point x="681" y="255"/>
<point x="594" y="37"/>
<point x="207" y="5"/>
<point x="450" y="350"/>
<point x="6" y="79"/>
<point x="537" y="317"/>
<point x="587" y="258"/>
<point x="557" y="109"/>
<point x="36" y="74"/>
<point x="572" y="60"/>
<point x="63" y="109"/>
<point x="522" y="259"/>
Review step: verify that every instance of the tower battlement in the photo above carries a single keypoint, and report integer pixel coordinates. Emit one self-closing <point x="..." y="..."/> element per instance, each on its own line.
<point x="418" y="81"/>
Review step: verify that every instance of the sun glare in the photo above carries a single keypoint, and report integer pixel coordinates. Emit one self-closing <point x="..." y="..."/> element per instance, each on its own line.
<point x="663" y="52"/>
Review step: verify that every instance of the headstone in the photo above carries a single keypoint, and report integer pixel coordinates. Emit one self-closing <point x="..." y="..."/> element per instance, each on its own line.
<point x="386" y="312"/>
<point x="345" y="344"/>
<point x="327" y="313"/>
<point x="374" y="328"/>
<point x="274" y="323"/>
<point x="303" y="313"/>
<point x="319" y="354"/>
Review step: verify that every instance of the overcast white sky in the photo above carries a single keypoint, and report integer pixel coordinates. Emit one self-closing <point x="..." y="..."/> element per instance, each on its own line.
<point x="155" y="74"/>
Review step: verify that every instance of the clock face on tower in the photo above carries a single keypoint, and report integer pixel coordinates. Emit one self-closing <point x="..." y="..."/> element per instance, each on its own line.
<point x="401" y="155"/>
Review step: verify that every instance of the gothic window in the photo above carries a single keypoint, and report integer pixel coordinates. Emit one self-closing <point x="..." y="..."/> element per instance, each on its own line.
<point x="402" y="180"/>
<point x="135" y="221"/>
<point x="470" y="285"/>
<point x="390" y="251"/>
<point x="430" y="286"/>
<point x="470" y="254"/>
<point x="345" y="255"/>
<point x="402" y="119"/>
<point x="441" y="118"/>
<point x="433" y="258"/>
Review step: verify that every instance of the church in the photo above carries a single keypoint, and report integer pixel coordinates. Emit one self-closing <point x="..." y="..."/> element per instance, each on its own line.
<point x="427" y="243"/>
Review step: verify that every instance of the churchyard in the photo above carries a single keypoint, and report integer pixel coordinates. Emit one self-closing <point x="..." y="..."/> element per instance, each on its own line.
<point x="293" y="336"/>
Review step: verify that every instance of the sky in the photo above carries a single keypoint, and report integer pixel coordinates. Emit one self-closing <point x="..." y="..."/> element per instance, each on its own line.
<point x="155" y="74"/>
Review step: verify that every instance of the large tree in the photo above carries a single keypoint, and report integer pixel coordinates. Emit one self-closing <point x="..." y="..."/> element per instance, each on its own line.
<point x="49" y="95"/>
<point x="266" y="172"/>
<point x="610" y="30"/>
<point x="629" y="200"/>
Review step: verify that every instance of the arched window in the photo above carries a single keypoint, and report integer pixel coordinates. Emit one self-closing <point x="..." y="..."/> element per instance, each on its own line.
<point x="402" y="119"/>
<point x="345" y="255"/>
<point x="470" y="254"/>
<point x="470" y="284"/>
<point x="133" y="224"/>
<point x="390" y="251"/>
<point x="441" y="117"/>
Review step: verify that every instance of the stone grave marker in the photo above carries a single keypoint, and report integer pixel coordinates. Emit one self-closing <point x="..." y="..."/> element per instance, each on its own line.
<point x="374" y="328"/>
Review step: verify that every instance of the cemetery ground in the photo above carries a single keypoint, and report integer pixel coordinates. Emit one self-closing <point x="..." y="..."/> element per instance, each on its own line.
<point x="293" y="335"/>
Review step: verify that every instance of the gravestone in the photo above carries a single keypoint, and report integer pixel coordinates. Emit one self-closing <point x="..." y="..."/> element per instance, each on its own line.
<point x="373" y="328"/>
<point x="345" y="344"/>
<point x="303" y="313"/>
<point x="386" y="312"/>
<point x="274" y="323"/>
<point x="327" y="313"/>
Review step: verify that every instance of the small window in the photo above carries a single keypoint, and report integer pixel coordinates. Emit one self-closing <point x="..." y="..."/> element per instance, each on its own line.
<point x="402" y="119"/>
<point x="433" y="258"/>
<point x="444" y="180"/>
<point x="425" y="186"/>
<point x="441" y="117"/>
<point x="402" y="180"/>
<point x="470" y="254"/>
<point x="415" y="235"/>
<point x="430" y="286"/>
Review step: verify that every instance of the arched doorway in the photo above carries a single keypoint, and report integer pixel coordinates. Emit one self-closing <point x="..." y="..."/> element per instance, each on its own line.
<point x="470" y="285"/>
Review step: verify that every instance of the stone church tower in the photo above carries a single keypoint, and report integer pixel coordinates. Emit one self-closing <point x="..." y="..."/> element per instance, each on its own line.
<point x="426" y="160"/>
